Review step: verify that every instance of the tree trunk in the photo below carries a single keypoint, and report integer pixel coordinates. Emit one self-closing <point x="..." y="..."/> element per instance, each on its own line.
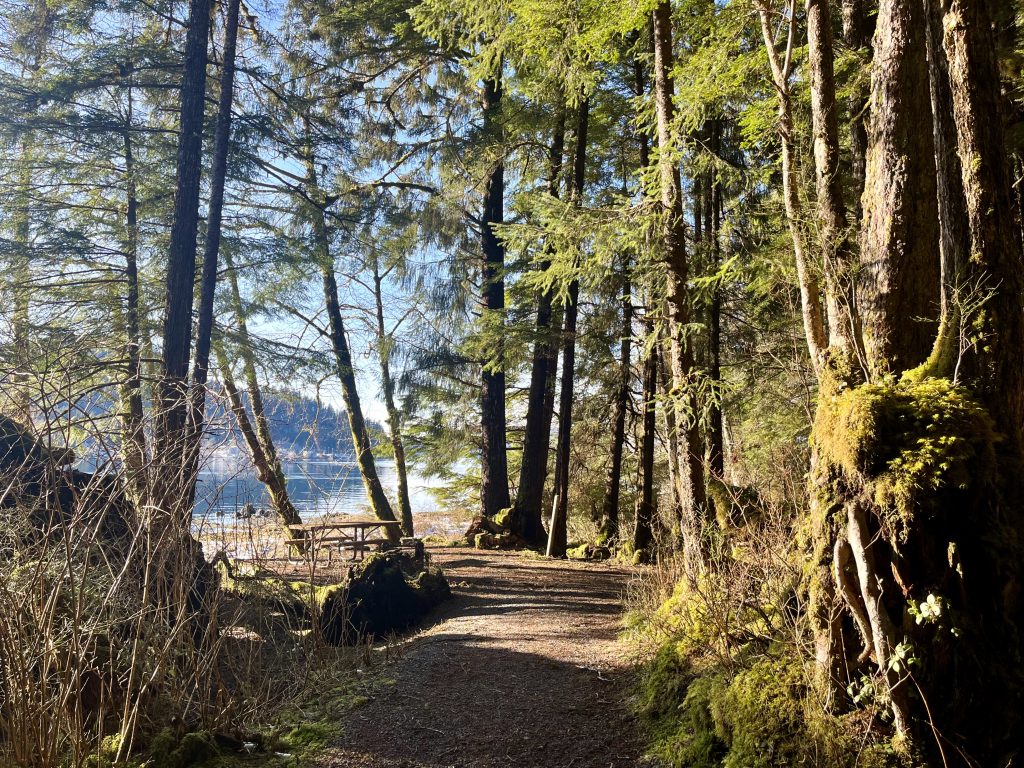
<point x="610" y="508"/>
<point x="208" y="281"/>
<point x="527" y="520"/>
<point x="716" y="431"/>
<point x="678" y="299"/>
<point x="133" y="435"/>
<point x="954" y="240"/>
<point x="494" y="496"/>
<point x="384" y="346"/>
<point x="899" y="253"/>
<point x="810" y="289"/>
<point x="379" y="504"/>
<point x="643" y="528"/>
<point x="676" y="481"/>
<point x="995" y="368"/>
<point x="181" y="266"/>
<point x="857" y="36"/>
<point x="557" y="533"/>
<point x="261" y="448"/>
<point x="938" y="530"/>
<point x="837" y="252"/>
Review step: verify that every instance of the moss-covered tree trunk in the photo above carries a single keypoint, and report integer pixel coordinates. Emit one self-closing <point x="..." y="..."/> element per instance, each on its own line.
<point x="916" y="472"/>
<point x="692" y="487"/>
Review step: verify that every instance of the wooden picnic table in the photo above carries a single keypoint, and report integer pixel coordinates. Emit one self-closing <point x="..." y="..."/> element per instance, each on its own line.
<point x="343" y="532"/>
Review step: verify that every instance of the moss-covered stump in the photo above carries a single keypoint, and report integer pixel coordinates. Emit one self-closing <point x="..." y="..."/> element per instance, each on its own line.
<point x="735" y="506"/>
<point x="589" y="551"/>
<point x="915" y="494"/>
<point x="387" y="592"/>
<point x="493" y="533"/>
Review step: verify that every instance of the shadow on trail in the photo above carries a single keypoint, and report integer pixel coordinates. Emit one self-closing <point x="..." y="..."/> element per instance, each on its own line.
<point x="520" y="668"/>
<point x="478" y="706"/>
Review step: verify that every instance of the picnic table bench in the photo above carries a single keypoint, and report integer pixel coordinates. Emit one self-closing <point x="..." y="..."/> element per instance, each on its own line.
<point x="353" y="533"/>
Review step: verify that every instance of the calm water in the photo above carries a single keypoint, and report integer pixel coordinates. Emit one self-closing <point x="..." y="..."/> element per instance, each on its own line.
<point x="316" y="487"/>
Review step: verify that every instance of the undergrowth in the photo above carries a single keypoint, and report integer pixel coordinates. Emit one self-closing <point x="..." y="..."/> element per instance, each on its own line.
<point x="726" y="673"/>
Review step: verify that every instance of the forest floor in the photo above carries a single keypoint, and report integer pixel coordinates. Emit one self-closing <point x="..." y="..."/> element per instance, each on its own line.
<point x="522" y="667"/>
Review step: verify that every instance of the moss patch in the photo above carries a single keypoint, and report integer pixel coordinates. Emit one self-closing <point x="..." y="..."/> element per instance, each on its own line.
<point x="753" y="713"/>
<point x="907" y="443"/>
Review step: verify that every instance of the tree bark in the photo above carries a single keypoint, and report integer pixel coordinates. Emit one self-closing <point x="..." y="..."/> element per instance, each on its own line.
<point x="609" y="530"/>
<point x="678" y="299"/>
<point x="133" y="435"/>
<point x="857" y="36"/>
<point x="954" y="240"/>
<point x="643" y="528"/>
<point x="899" y="253"/>
<point x="211" y="250"/>
<point x="527" y="520"/>
<point x="837" y="252"/>
<point x="384" y="345"/>
<point x="494" y="495"/>
<point x="557" y="533"/>
<point x="181" y="266"/>
<point x="996" y="367"/>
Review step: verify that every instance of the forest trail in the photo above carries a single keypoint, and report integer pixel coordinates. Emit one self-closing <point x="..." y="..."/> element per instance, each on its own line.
<point x="520" y="668"/>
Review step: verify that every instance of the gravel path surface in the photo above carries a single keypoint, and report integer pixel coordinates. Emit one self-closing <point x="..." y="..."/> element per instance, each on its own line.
<point x="520" y="668"/>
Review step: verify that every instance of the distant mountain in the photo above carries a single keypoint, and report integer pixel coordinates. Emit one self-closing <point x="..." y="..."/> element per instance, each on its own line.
<point x="297" y="423"/>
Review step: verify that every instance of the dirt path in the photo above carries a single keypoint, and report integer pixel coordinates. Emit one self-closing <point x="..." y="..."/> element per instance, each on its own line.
<point x="520" y="668"/>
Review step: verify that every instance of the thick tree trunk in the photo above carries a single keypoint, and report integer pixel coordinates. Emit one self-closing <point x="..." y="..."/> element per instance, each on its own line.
<point x="384" y="346"/>
<point x="989" y="678"/>
<point x="610" y="507"/>
<point x="940" y="530"/>
<point x="995" y="367"/>
<point x="678" y="299"/>
<point x="527" y="520"/>
<point x="557" y="534"/>
<point x="494" y="496"/>
<point x="218" y="175"/>
<point x="181" y="267"/>
<point x="899" y="252"/>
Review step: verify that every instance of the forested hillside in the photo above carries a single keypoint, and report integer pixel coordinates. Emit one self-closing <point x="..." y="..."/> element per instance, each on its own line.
<point x="728" y="292"/>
